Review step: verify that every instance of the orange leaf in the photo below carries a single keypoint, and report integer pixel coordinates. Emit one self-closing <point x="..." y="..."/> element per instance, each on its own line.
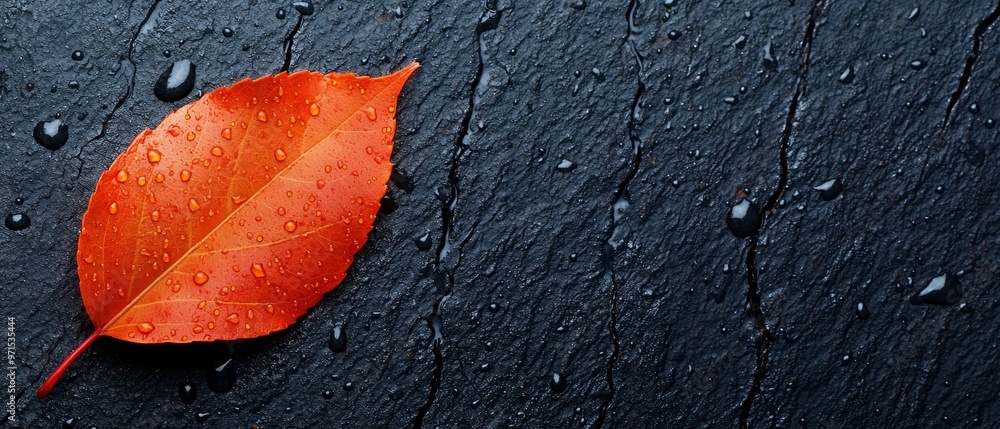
<point x="238" y="212"/>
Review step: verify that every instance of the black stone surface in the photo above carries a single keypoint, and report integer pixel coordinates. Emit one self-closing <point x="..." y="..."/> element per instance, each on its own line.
<point x="504" y="291"/>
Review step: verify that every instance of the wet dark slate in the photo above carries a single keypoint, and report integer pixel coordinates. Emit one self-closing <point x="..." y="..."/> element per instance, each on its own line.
<point x="583" y="172"/>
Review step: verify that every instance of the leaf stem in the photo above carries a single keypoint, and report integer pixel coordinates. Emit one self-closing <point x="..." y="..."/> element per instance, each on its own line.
<point x="50" y="382"/>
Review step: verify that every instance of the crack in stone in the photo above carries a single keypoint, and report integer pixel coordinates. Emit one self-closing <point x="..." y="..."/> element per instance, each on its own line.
<point x="287" y="45"/>
<point x="620" y="204"/>
<point x="977" y="45"/>
<point x="754" y="307"/>
<point x="488" y="21"/>
<point x="128" y="91"/>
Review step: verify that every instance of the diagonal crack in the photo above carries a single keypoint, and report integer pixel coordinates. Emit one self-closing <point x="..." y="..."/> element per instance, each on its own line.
<point x="128" y="91"/>
<point x="287" y="45"/>
<point x="488" y="21"/>
<point x="977" y="45"/>
<point x="621" y="203"/>
<point x="754" y="307"/>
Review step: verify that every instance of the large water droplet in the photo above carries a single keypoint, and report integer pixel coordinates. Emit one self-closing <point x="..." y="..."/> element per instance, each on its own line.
<point x="187" y="392"/>
<point x="338" y="339"/>
<point x="17" y="221"/>
<point x="145" y="327"/>
<point x="423" y="242"/>
<point x="257" y="270"/>
<point x="370" y="113"/>
<point x="51" y="135"/>
<point x="176" y="82"/>
<point x="221" y="377"/>
<point x="942" y="290"/>
<point x="743" y="219"/>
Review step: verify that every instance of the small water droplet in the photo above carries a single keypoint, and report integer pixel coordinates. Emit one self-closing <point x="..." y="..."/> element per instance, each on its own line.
<point x="327" y="394"/>
<point x="863" y="312"/>
<point x="153" y="156"/>
<point x="558" y="383"/>
<point x="228" y="32"/>
<point x="77" y="56"/>
<point x="744" y="219"/>
<point x="673" y="34"/>
<point x="233" y="318"/>
<point x="261" y="116"/>
<point x="846" y="76"/>
<point x="830" y="190"/>
<point x="217" y="151"/>
<point x="222" y="376"/>
<point x="565" y="166"/>
<point x="942" y="290"/>
<point x="974" y="108"/>
<point x="770" y="61"/>
<point x="145" y="327"/>
<point x="176" y="82"/>
<point x="918" y="64"/>
<point x="290" y="226"/>
<point x="122" y="176"/>
<point x="51" y="135"/>
<point x="193" y="205"/>
<point x="257" y="270"/>
<point x="154" y="215"/>
<point x="370" y="113"/>
<point x="200" y="278"/>
<point x="187" y="392"/>
<point x="17" y="221"/>
<point x="185" y="175"/>
<point x="338" y="339"/>
<point x="304" y="7"/>
<point x="113" y="208"/>
<point x="423" y="242"/>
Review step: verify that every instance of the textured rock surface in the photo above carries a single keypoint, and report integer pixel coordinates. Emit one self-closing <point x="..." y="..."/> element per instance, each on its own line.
<point x="614" y="272"/>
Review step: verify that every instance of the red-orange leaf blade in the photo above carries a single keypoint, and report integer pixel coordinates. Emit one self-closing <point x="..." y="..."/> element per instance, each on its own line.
<point x="239" y="211"/>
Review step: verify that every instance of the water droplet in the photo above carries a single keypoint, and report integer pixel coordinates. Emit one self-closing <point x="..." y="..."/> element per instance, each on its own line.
<point x="769" y="59"/>
<point x="370" y="113"/>
<point x="423" y="242"/>
<point x="233" y="318"/>
<point x="193" y="205"/>
<point x="744" y="219"/>
<point x="280" y="14"/>
<point x="740" y="42"/>
<point x="863" y="312"/>
<point x="228" y="32"/>
<point x="338" y="339"/>
<point x="974" y="108"/>
<point x="200" y="278"/>
<point x="153" y="156"/>
<point x="304" y="7"/>
<point x="113" y="208"/>
<point x="185" y="175"/>
<point x="830" y="189"/>
<point x="154" y="215"/>
<point x="217" y="151"/>
<point x="846" y="76"/>
<point x="348" y="386"/>
<point x="565" y="166"/>
<point x="17" y="221"/>
<point x="290" y="226"/>
<point x="261" y="116"/>
<point x="77" y="56"/>
<point x="145" y="327"/>
<point x="257" y="270"/>
<point x="327" y="394"/>
<point x="673" y="34"/>
<point x="187" y="392"/>
<point x="221" y="377"/>
<point x="280" y="155"/>
<point x="320" y="184"/>
<point x="122" y="176"/>
<point x="558" y="383"/>
<point x="51" y="135"/>
<point x="942" y="290"/>
<point x="176" y="82"/>
<point x="730" y="101"/>
<point x="227" y="133"/>
<point x="918" y="64"/>
<point x="914" y="13"/>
